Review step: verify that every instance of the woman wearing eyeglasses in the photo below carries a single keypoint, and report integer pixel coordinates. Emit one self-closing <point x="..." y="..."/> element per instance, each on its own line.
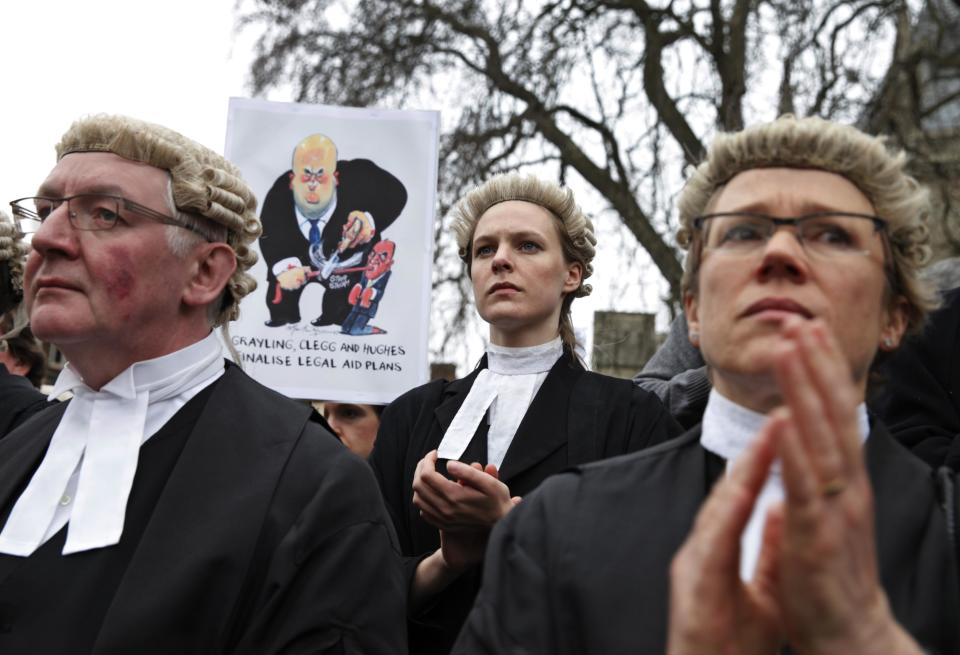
<point x="804" y="241"/>
<point x="453" y="458"/>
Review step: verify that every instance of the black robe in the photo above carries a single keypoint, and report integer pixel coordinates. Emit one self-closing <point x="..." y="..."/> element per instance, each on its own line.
<point x="251" y="531"/>
<point x="921" y="401"/>
<point x="19" y="400"/>
<point x="582" y="566"/>
<point x="576" y="417"/>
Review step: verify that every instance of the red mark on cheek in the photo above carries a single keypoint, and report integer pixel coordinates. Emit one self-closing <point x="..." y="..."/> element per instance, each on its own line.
<point x="119" y="280"/>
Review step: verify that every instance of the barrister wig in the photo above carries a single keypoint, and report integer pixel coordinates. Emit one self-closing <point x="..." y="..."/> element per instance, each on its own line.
<point x="842" y="149"/>
<point x="12" y="254"/>
<point x="203" y="184"/>
<point x="573" y="226"/>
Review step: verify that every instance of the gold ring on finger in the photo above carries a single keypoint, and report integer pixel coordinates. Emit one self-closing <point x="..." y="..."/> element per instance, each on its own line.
<point x="833" y="487"/>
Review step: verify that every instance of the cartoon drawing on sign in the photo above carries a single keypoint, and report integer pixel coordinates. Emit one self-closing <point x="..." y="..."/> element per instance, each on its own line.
<point x="366" y="294"/>
<point x="321" y="221"/>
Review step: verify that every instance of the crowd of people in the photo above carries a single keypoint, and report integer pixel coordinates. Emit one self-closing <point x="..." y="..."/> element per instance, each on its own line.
<point x="781" y="477"/>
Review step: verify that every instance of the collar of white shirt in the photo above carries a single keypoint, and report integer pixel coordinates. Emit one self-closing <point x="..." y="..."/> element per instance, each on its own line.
<point x="304" y="222"/>
<point x="87" y="472"/>
<point x="506" y="387"/>
<point x="728" y="430"/>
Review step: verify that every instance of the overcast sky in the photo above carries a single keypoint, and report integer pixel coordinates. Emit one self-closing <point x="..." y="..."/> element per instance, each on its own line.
<point x="174" y="62"/>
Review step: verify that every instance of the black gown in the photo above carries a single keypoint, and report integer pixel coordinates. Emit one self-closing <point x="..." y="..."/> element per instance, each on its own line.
<point x="575" y="417"/>
<point x="249" y="530"/>
<point x="921" y="402"/>
<point x="19" y="400"/>
<point x="582" y="565"/>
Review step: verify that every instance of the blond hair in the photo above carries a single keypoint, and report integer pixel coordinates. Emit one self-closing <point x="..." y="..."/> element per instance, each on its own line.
<point x="203" y="184"/>
<point x="573" y="226"/>
<point x="842" y="149"/>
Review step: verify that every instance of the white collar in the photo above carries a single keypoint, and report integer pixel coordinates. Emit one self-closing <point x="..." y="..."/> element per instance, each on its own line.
<point x="511" y="380"/>
<point x="524" y="360"/>
<point x="322" y="218"/>
<point x="728" y="430"/>
<point x="96" y="446"/>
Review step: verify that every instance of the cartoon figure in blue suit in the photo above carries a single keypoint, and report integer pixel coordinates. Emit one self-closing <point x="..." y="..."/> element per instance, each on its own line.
<point x="365" y="296"/>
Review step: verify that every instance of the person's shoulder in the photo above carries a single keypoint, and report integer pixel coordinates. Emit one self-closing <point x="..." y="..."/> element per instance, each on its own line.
<point x="429" y="395"/>
<point x="264" y="415"/>
<point x="615" y="475"/>
<point x="239" y="382"/>
<point x="348" y="167"/>
<point x="635" y="464"/>
<point x="417" y="395"/>
<point x="622" y="387"/>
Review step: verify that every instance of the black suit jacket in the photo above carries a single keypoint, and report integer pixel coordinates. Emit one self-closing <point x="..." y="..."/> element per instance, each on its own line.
<point x="268" y="537"/>
<point x="576" y="417"/>
<point x="363" y="186"/>
<point x="582" y="565"/>
<point x="921" y="402"/>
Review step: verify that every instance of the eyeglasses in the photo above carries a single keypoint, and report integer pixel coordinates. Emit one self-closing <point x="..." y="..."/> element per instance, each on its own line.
<point x="85" y="211"/>
<point x="823" y="234"/>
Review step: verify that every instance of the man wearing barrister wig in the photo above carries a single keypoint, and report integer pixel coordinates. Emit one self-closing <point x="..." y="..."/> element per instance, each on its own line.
<point x="173" y="505"/>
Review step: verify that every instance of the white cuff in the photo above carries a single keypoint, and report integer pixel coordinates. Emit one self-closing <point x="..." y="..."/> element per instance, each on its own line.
<point x="285" y="265"/>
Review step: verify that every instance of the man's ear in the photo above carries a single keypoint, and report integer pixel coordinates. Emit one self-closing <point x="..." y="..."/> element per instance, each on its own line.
<point x="573" y="278"/>
<point x="213" y="265"/>
<point x="895" y="324"/>
<point x="692" y="310"/>
<point x="291" y="174"/>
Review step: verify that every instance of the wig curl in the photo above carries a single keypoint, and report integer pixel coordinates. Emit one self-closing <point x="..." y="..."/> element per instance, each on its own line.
<point x="13" y="251"/>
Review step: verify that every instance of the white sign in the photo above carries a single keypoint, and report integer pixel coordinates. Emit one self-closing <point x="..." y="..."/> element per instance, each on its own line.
<point x="347" y="198"/>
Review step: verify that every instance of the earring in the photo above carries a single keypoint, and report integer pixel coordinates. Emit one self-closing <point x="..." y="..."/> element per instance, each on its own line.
<point x="888" y="342"/>
<point x="694" y="336"/>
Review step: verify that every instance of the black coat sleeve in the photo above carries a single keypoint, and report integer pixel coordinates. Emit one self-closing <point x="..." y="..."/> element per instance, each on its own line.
<point x="518" y="609"/>
<point x="19" y="400"/>
<point x="334" y="583"/>
<point x="281" y="236"/>
<point x="650" y="422"/>
<point x="366" y="187"/>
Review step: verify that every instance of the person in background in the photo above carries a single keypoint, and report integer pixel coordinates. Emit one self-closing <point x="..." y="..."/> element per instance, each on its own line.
<point x="453" y="458"/>
<point x="355" y="424"/>
<point x="805" y="238"/>
<point x="173" y="505"/>
<point x="22" y="362"/>
<point x="23" y="356"/>
<point x="677" y="374"/>
<point x="921" y="399"/>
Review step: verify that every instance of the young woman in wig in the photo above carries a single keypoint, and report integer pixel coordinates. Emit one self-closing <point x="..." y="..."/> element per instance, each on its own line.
<point x="453" y="458"/>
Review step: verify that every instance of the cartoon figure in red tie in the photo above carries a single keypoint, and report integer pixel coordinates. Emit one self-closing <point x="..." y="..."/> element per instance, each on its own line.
<point x="365" y="296"/>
